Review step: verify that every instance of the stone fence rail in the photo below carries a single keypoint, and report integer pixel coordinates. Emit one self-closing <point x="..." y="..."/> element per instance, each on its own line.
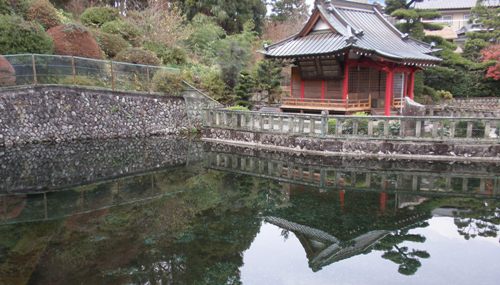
<point x="366" y="127"/>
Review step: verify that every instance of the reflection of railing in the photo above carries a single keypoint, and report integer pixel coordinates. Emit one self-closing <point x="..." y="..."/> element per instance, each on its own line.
<point x="35" y="69"/>
<point x="328" y="104"/>
<point x="372" y="127"/>
<point x="329" y="177"/>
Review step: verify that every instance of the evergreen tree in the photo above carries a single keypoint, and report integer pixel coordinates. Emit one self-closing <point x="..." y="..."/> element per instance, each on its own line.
<point x="230" y="14"/>
<point x="283" y="10"/>
<point x="243" y="91"/>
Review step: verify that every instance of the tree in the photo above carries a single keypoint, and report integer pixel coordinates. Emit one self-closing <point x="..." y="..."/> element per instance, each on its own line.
<point x="411" y="21"/>
<point x="408" y="260"/>
<point x="492" y="53"/>
<point x="268" y="77"/>
<point x="282" y="10"/>
<point x="393" y="5"/>
<point x="231" y="15"/>
<point x="243" y="91"/>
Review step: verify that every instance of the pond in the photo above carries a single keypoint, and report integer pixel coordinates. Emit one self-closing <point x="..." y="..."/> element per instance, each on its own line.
<point x="170" y="211"/>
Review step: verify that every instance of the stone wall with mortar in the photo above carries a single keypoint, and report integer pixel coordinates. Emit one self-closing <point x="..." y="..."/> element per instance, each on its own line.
<point x="402" y="149"/>
<point x="56" y="113"/>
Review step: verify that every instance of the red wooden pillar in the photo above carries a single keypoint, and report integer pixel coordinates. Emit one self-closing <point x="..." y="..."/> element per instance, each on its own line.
<point x="345" y="86"/>
<point x="323" y="90"/>
<point x="302" y="89"/>
<point x="411" y="85"/>
<point x="389" y="89"/>
<point x="382" y="201"/>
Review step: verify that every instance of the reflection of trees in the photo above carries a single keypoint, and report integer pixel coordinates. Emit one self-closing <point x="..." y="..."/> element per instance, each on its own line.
<point x="481" y="219"/>
<point x="407" y="259"/>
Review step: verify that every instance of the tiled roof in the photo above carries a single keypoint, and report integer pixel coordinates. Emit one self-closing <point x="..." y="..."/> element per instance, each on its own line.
<point x="361" y="28"/>
<point x="453" y="4"/>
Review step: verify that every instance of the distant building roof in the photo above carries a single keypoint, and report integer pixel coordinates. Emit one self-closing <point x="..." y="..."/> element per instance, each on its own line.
<point x="340" y="26"/>
<point x="452" y="4"/>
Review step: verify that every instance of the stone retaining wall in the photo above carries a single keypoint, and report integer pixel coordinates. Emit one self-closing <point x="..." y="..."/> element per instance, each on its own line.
<point x="389" y="148"/>
<point x="56" y="113"/>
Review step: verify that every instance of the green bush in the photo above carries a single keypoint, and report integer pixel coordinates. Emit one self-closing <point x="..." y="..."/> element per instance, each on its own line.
<point x="97" y="16"/>
<point x="44" y="13"/>
<point x="443" y="94"/>
<point x="111" y="44"/>
<point x="5" y="8"/>
<point x="118" y="27"/>
<point x="168" y="56"/>
<point x="168" y="82"/>
<point x="332" y="126"/>
<point x="238" y="108"/>
<point x="138" y="56"/>
<point x="19" y="36"/>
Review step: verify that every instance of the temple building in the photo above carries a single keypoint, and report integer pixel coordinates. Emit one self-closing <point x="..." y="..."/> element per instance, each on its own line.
<point x="349" y="58"/>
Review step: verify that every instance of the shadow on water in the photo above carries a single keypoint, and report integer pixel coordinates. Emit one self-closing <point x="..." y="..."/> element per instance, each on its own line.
<point x="177" y="212"/>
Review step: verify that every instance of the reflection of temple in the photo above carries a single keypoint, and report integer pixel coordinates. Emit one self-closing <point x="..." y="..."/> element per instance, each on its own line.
<point x="336" y="225"/>
<point x="322" y="248"/>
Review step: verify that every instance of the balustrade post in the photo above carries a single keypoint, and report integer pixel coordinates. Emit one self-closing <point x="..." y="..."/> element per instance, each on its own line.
<point x="338" y="127"/>
<point x="261" y="122"/>
<point x="217" y="118"/>
<point x="112" y="76"/>
<point x="271" y="123"/>
<point x="402" y="128"/>
<point x="370" y="128"/>
<point x="386" y="128"/>
<point x="280" y="124"/>
<point x="324" y="123"/>
<point x="291" y="125"/>
<point x="453" y="126"/>
<point x="355" y="127"/>
<point x="487" y="129"/>
<point x="469" y="129"/>
<point x="301" y="125"/>
<point x="418" y="128"/>
<point x="435" y="127"/>
<point x="311" y="126"/>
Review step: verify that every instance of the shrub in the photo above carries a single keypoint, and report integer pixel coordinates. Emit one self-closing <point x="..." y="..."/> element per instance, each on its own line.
<point x="73" y="39"/>
<point x="168" y="82"/>
<point x="238" y="108"/>
<point x="332" y="126"/>
<point x="43" y="12"/>
<point x="138" y="56"/>
<point x="7" y="73"/>
<point x="5" y="8"/>
<point x="19" y="36"/>
<point x="97" y="16"/>
<point x="443" y="94"/>
<point x="169" y="56"/>
<point x="128" y="31"/>
<point x="212" y="83"/>
<point x="111" y="44"/>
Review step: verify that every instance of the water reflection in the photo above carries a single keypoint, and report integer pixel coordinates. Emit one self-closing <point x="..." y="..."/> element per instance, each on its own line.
<point x="213" y="217"/>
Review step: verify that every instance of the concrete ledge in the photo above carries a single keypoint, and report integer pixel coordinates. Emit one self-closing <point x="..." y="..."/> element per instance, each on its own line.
<point x="387" y="149"/>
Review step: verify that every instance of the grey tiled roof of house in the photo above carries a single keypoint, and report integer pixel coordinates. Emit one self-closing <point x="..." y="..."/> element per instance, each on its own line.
<point x="362" y="28"/>
<point x="453" y="4"/>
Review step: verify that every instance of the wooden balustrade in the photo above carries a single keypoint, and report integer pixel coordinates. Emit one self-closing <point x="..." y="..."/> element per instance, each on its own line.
<point x="371" y="127"/>
<point x="350" y="105"/>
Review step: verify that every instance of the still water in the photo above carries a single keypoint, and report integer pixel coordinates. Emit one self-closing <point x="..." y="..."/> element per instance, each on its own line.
<point x="165" y="211"/>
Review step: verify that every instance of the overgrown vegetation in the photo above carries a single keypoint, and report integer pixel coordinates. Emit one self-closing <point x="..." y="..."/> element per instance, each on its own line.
<point x="474" y="73"/>
<point x="215" y="43"/>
